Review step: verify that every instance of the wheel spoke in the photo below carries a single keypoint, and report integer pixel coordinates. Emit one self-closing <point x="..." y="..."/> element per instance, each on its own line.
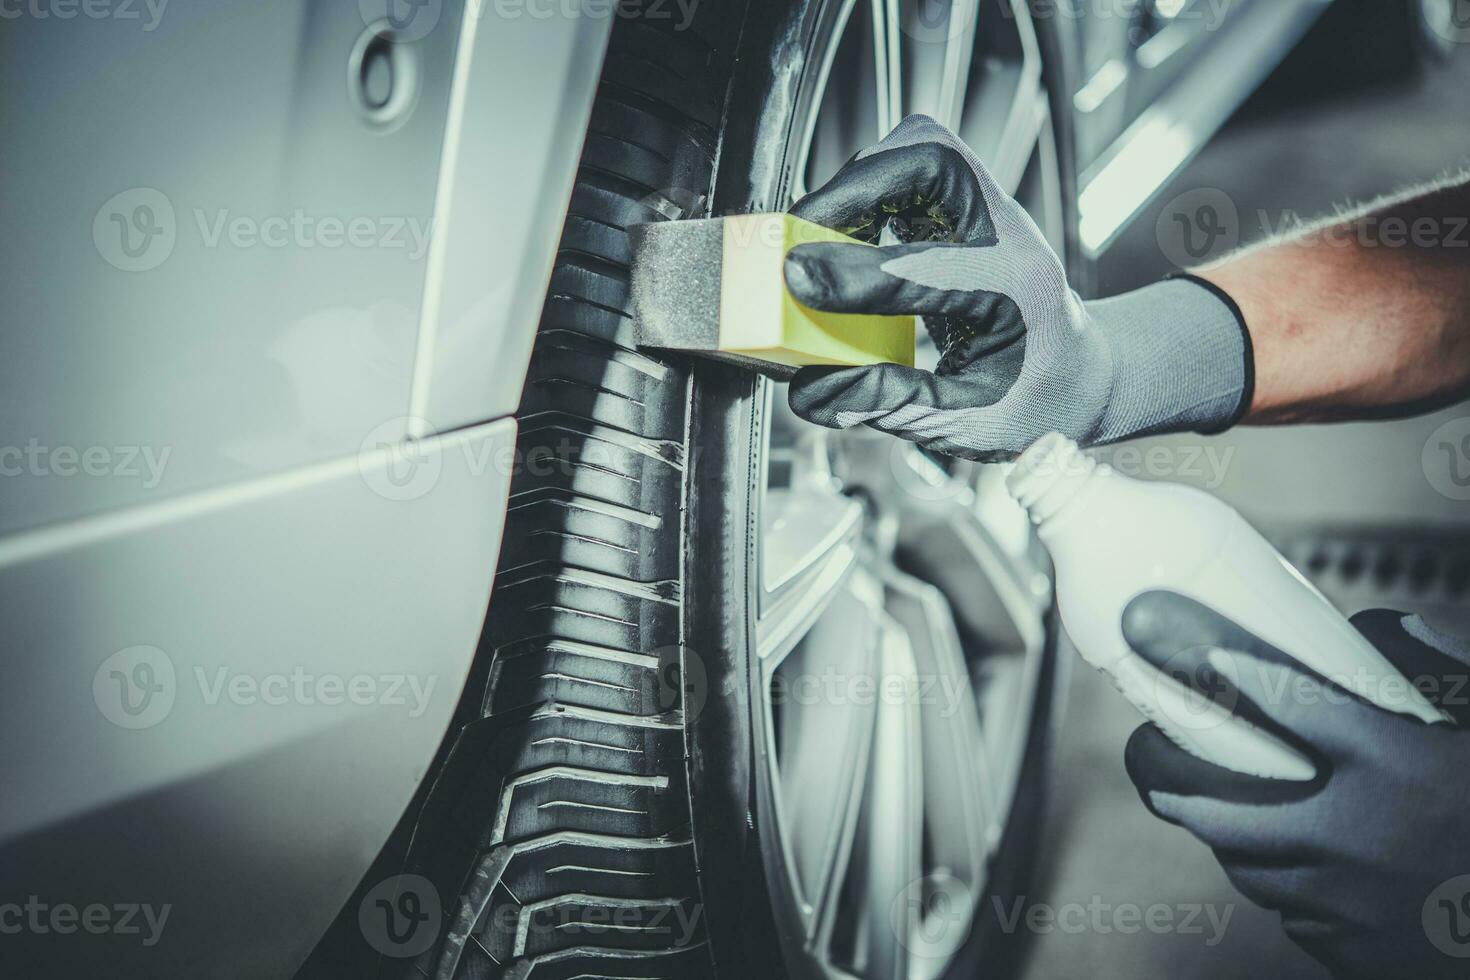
<point x="888" y="64"/>
<point x="809" y="535"/>
<point x="958" y="805"/>
<point x="978" y="551"/>
<point x="822" y="741"/>
<point x="808" y="549"/>
<point x="1029" y="116"/>
<point x="868" y="927"/>
<point x="1005" y="107"/>
<point x="938" y="45"/>
<point x="974" y="545"/>
<point x="853" y="94"/>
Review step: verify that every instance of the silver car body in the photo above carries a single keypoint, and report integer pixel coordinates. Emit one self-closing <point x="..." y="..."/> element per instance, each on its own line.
<point x="238" y="608"/>
<point x="265" y="332"/>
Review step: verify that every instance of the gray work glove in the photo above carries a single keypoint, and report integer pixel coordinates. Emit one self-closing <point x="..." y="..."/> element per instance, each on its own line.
<point x="1362" y="862"/>
<point x="1022" y="355"/>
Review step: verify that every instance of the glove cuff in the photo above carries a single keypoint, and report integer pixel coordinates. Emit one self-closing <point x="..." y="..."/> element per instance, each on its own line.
<point x="1248" y="390"/>
<point x="1182" y="360"/>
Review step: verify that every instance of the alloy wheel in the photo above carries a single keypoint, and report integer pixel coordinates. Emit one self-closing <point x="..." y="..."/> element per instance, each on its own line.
<point x="895" y="718"/>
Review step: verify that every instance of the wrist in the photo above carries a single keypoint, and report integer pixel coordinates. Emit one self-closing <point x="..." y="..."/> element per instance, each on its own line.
<point x="1182" y="359"/>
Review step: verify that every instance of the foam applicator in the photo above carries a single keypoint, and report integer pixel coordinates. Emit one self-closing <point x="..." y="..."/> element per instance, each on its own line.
<point x="716" y="287"/>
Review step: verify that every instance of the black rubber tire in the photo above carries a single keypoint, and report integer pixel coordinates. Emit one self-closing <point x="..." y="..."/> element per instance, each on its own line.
<point x="559" y="827"/>
<point x="593" y="813"/>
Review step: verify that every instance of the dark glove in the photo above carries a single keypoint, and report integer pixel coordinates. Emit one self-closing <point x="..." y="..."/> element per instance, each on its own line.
<point x="1364" y="862"/>
<point x="1022" y="354"/>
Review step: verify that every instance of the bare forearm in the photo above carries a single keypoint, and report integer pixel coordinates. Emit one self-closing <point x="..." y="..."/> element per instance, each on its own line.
<point x="1361" y="318"/>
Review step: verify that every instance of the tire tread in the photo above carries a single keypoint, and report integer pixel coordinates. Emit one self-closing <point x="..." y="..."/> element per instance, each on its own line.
<point x="575" y="813"/>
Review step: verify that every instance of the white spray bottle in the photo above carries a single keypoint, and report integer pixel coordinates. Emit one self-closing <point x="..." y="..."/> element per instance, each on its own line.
<point x="1112" y="538"/>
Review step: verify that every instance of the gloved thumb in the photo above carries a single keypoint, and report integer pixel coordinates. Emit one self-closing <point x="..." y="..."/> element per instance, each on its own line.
<point x="1436" y="663"/>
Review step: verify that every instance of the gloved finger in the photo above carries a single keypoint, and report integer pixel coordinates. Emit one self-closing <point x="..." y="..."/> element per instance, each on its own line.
<point x="1298" y="887"/>
<point x="1257" y="889"/>
<point x="1437" y="664"/>
<point x="921" y="173"/>
<point x="899" y="280"/>
<point x="1454" y="647"/>
<point x="1269" y="832"/>
<point x="1157" y="765"/>
<point x="1348" y="950"/>
<point x="1187" y="640"/>
<point x="939" y="412"/>
<point x="891" y="397"/>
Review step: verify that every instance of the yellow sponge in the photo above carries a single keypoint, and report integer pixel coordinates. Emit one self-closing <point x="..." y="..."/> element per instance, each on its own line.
<point x="717" y="286"/>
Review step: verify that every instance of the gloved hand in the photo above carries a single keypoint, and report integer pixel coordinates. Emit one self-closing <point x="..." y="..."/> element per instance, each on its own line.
<point x="1356" y="860"/>
<point x="1022" y="354"/>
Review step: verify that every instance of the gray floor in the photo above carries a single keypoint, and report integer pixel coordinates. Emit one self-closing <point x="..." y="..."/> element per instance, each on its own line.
<point x="1134" y="898"/>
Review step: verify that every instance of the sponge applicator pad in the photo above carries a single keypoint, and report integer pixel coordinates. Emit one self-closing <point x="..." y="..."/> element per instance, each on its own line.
<point x="717" y="286"/>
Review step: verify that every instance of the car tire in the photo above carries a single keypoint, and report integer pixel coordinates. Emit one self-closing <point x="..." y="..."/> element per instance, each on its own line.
<point x="594" y="812"/>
